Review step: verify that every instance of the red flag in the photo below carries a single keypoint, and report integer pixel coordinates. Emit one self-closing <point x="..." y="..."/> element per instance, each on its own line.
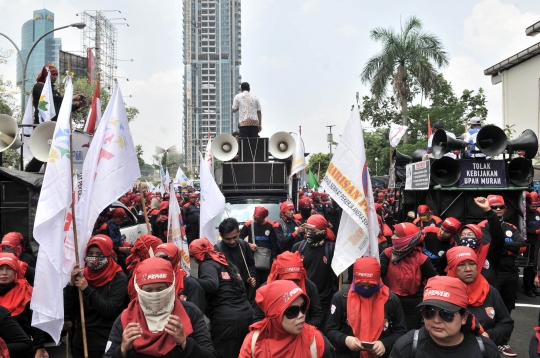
<point x="94" y="115"/>
<point x="429" y="133"/>
<point x="91" y="67"/>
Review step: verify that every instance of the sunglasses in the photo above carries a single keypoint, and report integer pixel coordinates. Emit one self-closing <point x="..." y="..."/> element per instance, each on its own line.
<point x="430" y="312"/>
<point x="498" y="207"/>
<point x="293" y="311"/>
<point x="164" y="257"/>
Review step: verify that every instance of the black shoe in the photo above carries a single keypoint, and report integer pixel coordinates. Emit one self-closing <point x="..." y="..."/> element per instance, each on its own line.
<point x="531" y="293"/>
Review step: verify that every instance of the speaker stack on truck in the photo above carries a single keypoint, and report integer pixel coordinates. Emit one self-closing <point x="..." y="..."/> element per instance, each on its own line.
<point x="261" y="167"/>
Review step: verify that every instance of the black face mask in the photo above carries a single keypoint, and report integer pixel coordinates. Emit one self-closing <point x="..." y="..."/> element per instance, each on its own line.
<point x="305" y="212"/>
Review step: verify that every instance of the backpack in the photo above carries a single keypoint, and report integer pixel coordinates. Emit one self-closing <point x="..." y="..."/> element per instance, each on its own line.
<point x="415" y="344"/>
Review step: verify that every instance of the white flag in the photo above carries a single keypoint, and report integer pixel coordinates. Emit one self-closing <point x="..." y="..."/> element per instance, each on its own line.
<point x="151" y="187"/>
<point x="110" y="168"/>
<point x="212" y="203"/>
<point x="209" y="157"/>
<point x="396" y="133"/>
<point x="180" y="178"/>
<point x="298" y="159"/>
<point x="51" y="226"/>
<point x="176" y="234"/>
<point x="347" y="181"/>
<point x="46" y="104"/>
<point x="28" y="119"/>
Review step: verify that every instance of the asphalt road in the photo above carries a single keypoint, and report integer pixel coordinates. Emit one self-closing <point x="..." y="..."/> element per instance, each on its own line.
<point x="525" y="318"/>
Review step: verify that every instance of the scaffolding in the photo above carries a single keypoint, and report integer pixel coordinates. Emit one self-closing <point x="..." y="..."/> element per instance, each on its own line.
<point x="100" y="35"/>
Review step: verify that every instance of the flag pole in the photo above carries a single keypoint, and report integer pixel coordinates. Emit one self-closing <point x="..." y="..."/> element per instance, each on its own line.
<point x="144" y="210"/>
<point x="74" y="221"/>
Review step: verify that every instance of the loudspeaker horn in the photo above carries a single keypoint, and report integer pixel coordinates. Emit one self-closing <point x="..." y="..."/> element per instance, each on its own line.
<point x="491" y="140"/>
<point x="41" y="139"/>
<point x="418" y="155"/>
<point x="224" y="147"/>
<point x="400" y="158"/>
<point x="520" y="172"/>
<point x="443" y="142"/>
<point x="281" y="145"/>
<point x="8" y="133"/>
<point x="445" y="171"/>
<point x="527" y="141"/>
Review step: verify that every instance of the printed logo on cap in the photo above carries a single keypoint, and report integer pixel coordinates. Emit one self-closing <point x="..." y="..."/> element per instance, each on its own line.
<point x="6" y="259"/>
<point x="288" y="295"/>
<point x="490" y="311"/>
<point x="385" y="325"/>
<point x="292" y="269"/>
<point x="463" y="254"/>
<point x="437" y="293"/>
<point x="363" y="274"/>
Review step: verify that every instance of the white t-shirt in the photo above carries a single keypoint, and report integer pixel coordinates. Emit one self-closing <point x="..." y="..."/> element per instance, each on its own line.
<point x="248" y="105"/>
<point x="470" y="139"/>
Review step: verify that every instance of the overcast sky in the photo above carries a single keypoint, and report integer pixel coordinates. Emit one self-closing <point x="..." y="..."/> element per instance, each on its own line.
<point x="302" y="58"/>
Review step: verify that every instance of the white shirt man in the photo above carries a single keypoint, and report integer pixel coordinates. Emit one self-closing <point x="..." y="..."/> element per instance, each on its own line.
<point x="249" y="108"/>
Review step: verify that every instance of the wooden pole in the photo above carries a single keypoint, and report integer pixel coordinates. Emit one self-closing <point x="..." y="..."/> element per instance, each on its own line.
<point x="245" y="262"/>
<point x="67" y="345"/>
<point x="144" y="210"/>
<point x="74" y="221"/>
<point x="341" y="281"/>
<point x="391" y="150"/>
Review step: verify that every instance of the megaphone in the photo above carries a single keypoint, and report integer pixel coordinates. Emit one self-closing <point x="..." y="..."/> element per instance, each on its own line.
<point x="443" y="142"/>
<point x="527" y="141"/>
<point x="400" y="158"/>
<point x="445" y="171"/>
<point x="281" y="145"/>
<point x="520" y="172"/>
<point x="8" y="133"/>
<point x="491" y="140"/>
<point x="224" y="147"/>
<point x="418" y="155"/>
<point x="41" y="139"/>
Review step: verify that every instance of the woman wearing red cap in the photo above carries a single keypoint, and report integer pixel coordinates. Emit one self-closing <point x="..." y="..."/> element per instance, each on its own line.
<point x="157" y="323"/>
<point x="284" y="333"/>
<point x="426" y="218"/>
<point x="103" y="285"/>
<point x="404" y="268"/>
<point x="367" y="312"/>
<point x="288" y="230"/>
<point x="139" y="253"/>
<point x="15" y="295"/>
<point x="437" y="241"/>
<point x="485" y="302"/>
<point x="448" y="330"/>
<point x="187" y="288"/>
<point x="227" y="307"/>
<point x="288" y="266"/>
<point x="14" y="242"/>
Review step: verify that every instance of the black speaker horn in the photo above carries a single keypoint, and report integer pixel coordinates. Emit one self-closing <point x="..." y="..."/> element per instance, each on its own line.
<point x="527" y="141"/>
<point x="491" y="140"/>
<point x="520" y="172"/>
<point x="445" y="171"/>
<point x="400" y="158"/>
<point x="418" y="155"/>
<point x="443" y="143"/>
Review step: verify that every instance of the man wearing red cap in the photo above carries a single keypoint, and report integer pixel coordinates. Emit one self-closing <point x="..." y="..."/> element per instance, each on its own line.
<point x="437" y="241"/>
<point x="191" y="214"/>
<point x="111" y="228"/>
<point x="288" y="230"/>
<point x="259" y="233"/>
<point x="305" y="209"/>
<point x="533" y="229"/>
<point x="426" y="217"/>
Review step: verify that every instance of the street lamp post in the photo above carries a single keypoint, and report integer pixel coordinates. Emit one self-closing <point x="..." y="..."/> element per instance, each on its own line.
<point x="376" y="169"/>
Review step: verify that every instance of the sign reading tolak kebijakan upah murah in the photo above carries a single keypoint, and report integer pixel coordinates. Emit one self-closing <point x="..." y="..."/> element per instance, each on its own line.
<point x="482" y="174"/>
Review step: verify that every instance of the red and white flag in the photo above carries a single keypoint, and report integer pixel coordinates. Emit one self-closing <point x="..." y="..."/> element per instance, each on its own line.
<point x="94" y="116"/>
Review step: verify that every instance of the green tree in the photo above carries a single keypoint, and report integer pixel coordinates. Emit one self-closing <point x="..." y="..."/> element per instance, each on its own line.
<point x="408" y="57"/>
<point x="139" y="150"/>
<point x="318" y="164"/>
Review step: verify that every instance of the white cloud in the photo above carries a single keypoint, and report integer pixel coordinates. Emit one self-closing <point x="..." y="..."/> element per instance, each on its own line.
<point x="272" y="62"/>
<point x="310" y="5"/>
<point x="348" y="30"/>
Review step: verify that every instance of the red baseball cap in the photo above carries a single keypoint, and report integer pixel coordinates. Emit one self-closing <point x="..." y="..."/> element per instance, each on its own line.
<point x="260" y="213"/>
<point x="532" y="198"/>
<point x="447" y="293"/>
<point x="423" y="210"/>
<point x="495" y="200"/>
<point x="154" y="270"/>
<point x="451" y="225"/>
<point x="367" y="269"/>
<point x="285" y="206"/>
<point x="305" y="202"/>
<point x="474" y="228"/>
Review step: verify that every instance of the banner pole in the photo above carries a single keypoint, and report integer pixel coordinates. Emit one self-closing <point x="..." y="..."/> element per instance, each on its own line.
<point x="144" y="210"/>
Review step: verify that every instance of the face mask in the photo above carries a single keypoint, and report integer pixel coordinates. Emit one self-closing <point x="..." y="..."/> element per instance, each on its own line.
<point x="366" y="292"/>
<point x="424" y="218"/>
<point x="471" y="242"/>
<point x="305" y="212"/>
<point x="156" y="303"/>
<point x="315" y="238"/>
<point x="308" y="194"/>
<point x="96" y="263"/>
<point x="11" y="250"/>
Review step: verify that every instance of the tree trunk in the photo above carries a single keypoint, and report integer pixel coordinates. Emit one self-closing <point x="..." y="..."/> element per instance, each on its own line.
<point x="405" y="117"/>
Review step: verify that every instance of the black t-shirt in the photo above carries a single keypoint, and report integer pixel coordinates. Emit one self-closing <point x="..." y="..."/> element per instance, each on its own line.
<point x="533" y="224"/>
<point x="264" y="235"/>
<point x="434" y="248"/>
<point x="427" y="348"/>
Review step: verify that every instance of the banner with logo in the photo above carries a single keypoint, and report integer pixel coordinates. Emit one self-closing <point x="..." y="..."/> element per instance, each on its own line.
<point x="417" y="175"/>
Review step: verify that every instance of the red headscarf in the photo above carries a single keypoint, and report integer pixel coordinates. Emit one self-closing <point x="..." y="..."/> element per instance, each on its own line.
<point x="366" y="315"/>
<point x="155" y="344"/>
<point x="13" y="240"/>
<point x="174" y="254"/>
<point x="260" y="213"/>
<point x="273" y="340"/>
<point x="288" y="266"/>
<point x="200" y="247"/>
<point x="320" y="223"/>
<point x="42" y="77"/>
<point x="106" y="274"/>
<point x="17" y="298"/>
<point x="479" y="288"/>
<point x="482" y="250"/>
<point x="139" y="253"/>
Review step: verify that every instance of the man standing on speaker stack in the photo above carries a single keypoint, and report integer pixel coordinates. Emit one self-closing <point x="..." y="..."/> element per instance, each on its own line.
<point x="470" y="138"/>
<point x="250" y="120"/>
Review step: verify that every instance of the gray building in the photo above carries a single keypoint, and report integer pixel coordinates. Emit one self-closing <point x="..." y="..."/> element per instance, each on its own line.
<point x="46" y="51"/>
<point x="212" y="57"/>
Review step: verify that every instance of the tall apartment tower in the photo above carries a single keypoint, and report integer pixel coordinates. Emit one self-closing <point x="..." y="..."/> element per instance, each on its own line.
<point x="212" y="57"/>
<point x="46" y="50"/>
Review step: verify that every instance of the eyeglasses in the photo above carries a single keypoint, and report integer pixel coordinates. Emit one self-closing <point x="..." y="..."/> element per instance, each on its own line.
<point x="498" y="207"/>
<point x="430" y="312"/>
<point x="293" y="311"/>
<point x="471" y="235"/>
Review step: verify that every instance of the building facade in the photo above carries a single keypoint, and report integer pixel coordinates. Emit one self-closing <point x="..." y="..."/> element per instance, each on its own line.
<point x="212" y="58"/>
<point x="45" y="52"/>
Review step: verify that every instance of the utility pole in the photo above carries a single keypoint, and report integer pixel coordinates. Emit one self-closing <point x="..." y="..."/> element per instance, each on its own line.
<point x="330" y="138"/>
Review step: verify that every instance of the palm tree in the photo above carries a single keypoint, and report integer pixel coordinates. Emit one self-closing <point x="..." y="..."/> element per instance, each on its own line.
<point x="411" y="52"/>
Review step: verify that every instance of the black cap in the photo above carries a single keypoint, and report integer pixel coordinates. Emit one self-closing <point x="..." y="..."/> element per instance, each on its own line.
<point x="438" y="125"/>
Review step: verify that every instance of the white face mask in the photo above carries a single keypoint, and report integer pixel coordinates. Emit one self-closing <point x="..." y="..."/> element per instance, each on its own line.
<point x="156" y="306"/>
